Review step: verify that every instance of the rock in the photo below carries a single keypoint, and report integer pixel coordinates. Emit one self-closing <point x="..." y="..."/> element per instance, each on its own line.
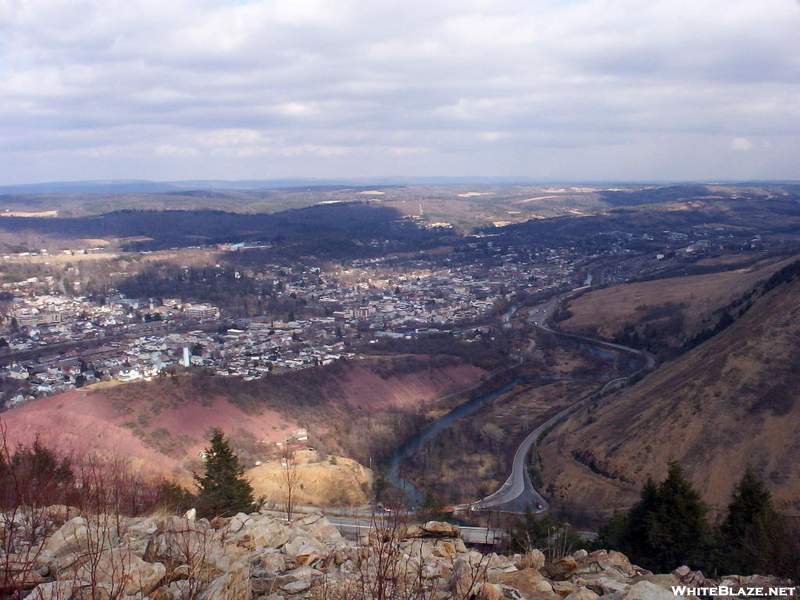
<point x="689" y="577"/>
<point x="663" y="581"/>
<point x="272" y="561"/>
<point x="71" y="589"/>
<point x="319" y="527"/>
<point x="238" y="522"/>
<point x="449" y="548"/>
<point x="561" y="569"/>
<point x="59" y="513"/>
<point x="466" y="576"/>
<point x="582" y="593"/>
<point x="18" y="575"/>
<point x="297" y="587"/>
<point x="604" y="585"/>
<point x="579" y="554"/>
<point x="123" y="571"/>
<point x="602" y="561"/>
<point x="644" y="590"/>
<point x="176" y="590"/>
<point x="490" y="591"/>
<point x="269" y="533"/>
<point x="57" y="590"/>
<point x="529" y="582"/>
<point x="564" y="588"/>
<point x="71" y="537"/>
<point x="231" y="586"/>
<point x="437" y="529"/>
<point x="190" y="515"/>
<point x="304" y="572"/>
<point x="533" y="559"/>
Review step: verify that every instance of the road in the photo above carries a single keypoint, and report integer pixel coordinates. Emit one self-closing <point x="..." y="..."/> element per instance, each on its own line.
<point x="354" y="522"/>
<point x="517" y="494"/>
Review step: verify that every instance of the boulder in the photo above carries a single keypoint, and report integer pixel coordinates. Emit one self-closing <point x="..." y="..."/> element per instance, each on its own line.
<point x="663" y="581"/>
<point x="529" y="582"/>
<point x="72" y="536"/>
<point x="604" y="585"/>
<point x="607" y="562"/>
<point x="466" y="577"/>
<point x="297" y="587"/>
<point x="582" y="593"/>
<point x="18" y="573"/>
<point x="271" y="561"/>
<point x="490" y="591"/>
<point x="436" y="529"/>
<point x="304" y="548"/>
<point x="644" y="590"/>
<point x="319" y="527"/>
<point x="564" y="588"/>
<point x="72" y="589"/>
<point x="689" y="577"/>
<point x="533" y="559"/>
<point x="121" y="569"/>
<point x="269" y="533"/>
<point x="234" y="584"/>
<point x="562" y="569"/>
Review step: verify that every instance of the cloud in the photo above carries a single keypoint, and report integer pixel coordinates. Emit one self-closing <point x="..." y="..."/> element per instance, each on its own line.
<point x="741" y="144"/>
<point x="189" y="86"/>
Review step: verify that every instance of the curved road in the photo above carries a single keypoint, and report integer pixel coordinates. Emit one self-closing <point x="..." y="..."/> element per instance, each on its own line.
<point x="517" y="494"/>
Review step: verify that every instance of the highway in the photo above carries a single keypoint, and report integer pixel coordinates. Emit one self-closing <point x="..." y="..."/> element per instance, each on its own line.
<point x="517" y="493"/>
<point x="352" y="523"/>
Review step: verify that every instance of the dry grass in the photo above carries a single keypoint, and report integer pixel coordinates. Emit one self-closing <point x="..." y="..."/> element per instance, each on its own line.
<point x="607" y="311"/>
<point x="322" y="481"/>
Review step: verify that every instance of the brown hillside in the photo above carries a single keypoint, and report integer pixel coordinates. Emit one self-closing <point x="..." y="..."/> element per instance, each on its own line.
<point x="352" y="409"/>
<point x="665" y="313"/>
<point x="729" y="403"/>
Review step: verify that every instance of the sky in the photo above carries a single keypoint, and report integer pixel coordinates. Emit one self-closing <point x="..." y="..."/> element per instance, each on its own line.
<point x="567" y="90"/>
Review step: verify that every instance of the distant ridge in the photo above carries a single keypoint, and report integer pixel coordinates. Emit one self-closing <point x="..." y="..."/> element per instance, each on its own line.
<point x="136" y="186"/>
<point x="143" y="186"/>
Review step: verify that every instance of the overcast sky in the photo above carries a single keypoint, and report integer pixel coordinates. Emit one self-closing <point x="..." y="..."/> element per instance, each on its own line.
<point x="542" y="89"/>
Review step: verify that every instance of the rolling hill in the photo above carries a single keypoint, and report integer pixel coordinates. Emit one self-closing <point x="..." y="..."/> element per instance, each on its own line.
<point x="727" y="404"/>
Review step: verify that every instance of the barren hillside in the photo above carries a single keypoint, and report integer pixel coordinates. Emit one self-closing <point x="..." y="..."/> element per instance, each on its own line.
<point x="355" y="409"/>
<point x="665" y="313"/>
<point x="727" y="404"/>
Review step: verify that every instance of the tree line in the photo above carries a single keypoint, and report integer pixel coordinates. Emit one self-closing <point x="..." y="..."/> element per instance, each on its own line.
<point x="669" y="527"/>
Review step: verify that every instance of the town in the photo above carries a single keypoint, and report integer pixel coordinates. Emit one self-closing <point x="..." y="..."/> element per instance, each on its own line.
<point x="54" y="338"/>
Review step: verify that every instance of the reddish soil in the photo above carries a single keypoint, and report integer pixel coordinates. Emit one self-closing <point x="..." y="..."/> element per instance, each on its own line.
<point x="162" y="425"/>
<point x="79" y="422"/>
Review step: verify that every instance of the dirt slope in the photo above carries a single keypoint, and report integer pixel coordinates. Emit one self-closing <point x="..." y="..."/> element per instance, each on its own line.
<point x="665" y="313"/>
<point x="351" y="409"/>
<point x="729" y="403"/>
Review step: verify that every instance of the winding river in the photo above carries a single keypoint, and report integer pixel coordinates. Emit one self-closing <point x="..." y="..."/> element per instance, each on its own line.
<point x="413" y="444"/>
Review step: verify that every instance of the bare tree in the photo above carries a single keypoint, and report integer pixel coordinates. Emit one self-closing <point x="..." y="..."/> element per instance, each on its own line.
<point x="290" y="475"/>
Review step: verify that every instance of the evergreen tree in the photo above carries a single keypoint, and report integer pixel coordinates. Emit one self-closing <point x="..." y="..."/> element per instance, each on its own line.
<point x="224" y="490"/>
<point x="750" y="526"/>
<point x="666" y="528"/>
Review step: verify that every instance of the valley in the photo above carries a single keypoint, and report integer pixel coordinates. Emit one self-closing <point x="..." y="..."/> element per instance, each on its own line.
<point x="346" y="320"/>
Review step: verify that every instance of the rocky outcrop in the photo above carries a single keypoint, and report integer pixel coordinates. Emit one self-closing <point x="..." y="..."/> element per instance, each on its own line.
<point x="262" y="556"/>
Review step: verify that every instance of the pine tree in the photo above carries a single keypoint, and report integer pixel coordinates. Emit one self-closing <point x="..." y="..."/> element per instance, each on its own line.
<point x="666" y="528"/>
<point x="224" y="490"/>
<point x="749" y="527"/>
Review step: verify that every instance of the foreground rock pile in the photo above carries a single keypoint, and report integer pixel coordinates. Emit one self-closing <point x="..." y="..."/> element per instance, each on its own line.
<point x="59" y="555"/>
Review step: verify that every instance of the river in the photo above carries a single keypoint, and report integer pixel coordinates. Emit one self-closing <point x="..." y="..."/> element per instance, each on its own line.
<point x="413" y="444"/>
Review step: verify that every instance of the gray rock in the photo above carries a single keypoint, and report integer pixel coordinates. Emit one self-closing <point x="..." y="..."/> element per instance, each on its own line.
<point x="230" y="586"/>
<point x="644" y="590"/>
<point x="582" y="593"/>
<point x="123" y="571"/>
<point x="297" y="587"/>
